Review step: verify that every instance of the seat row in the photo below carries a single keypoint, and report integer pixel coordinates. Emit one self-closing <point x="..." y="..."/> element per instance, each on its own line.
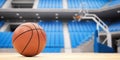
<point x="79" y="38"/>
<point x="1" y="23"/>
<point x="80" y="32"/>
<point x="114" y="2"/>
<point x="82" y="26"/>
<point x="87" y="4"/>
<point x="6" y="40"/>
<point x="2" y="2"/>
<point x="54" y="33"/>
<point x="73" y="4"/>
<point x="54" y="41"/>
<point x="51" y="26"/>
<point x="50" y="4"/>
<point x="114" y="27"/>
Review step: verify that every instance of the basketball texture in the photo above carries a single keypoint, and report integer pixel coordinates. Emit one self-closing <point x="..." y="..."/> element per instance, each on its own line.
<point x="77" y="17"/>
<point x="29" y="39"/>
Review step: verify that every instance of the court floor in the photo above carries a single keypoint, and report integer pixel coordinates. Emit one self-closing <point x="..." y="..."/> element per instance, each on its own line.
<point x="62" y="56"/>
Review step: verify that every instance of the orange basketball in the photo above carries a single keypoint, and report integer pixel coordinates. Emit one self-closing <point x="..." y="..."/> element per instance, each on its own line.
<point x="29" y="39"/>
<point x="78" y="17"/>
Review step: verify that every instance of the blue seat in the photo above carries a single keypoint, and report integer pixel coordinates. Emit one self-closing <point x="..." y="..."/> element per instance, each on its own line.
<point x="1" y="23"/>
<point x="114" y="3"/>
<point x="86" y="4"/>
<point x="2" y="3"/>
<point x="50" y="4"/>
<point x="54" y="33"/>
<point x="51" y="50"/>
<point x="6" y="40"/>
<point x="80" y="32"/>
<point x="114" y="26"/>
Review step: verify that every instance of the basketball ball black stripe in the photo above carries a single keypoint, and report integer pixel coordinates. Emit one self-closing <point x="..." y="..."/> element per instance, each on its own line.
<point x="23" y="33"/>
<point x="28" y="40"/>
<point x="38" y="39"/>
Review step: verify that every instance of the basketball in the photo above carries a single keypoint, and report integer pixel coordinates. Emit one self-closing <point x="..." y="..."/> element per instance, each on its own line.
<point x="78" y="17"/>
<point x="59" y="29"/>
<point x="29" y="39"/>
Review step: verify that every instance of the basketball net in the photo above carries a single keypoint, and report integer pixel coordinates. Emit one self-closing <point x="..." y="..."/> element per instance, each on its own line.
<point x="81" y="12"/>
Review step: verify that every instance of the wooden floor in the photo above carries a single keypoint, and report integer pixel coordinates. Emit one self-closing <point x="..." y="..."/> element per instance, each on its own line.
<point x="62" y="56"/>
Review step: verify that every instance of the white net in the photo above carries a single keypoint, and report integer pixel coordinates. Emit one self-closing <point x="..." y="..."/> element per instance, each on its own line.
<point x="83" y="10"/>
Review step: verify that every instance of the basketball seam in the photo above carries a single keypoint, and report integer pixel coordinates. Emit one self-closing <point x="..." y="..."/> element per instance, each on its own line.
<point x="38" y="40"/>
<point x="28" y="40"/>
<point x="23" y="33"/>
<point x="42" y="35"/>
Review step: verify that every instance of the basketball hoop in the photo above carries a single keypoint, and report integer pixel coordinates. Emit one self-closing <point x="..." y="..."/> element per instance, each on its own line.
<point x="82" y="12"/>
<point x="78" y="18"/>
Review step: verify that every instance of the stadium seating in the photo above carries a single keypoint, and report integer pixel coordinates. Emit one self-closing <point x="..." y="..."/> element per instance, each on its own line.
<point x="114" y="2"/>
<point x="86" y="4"/>
<point x="114" y="26"/>
<point x="1" y="23"/>
<point x="6" y="40"/>
<point x="54" y="32"/>
<point x="2" y="2"/>
<point x="77" y="4"/>
<point x="80" y="32"/>
<point x="50" y="4"/>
